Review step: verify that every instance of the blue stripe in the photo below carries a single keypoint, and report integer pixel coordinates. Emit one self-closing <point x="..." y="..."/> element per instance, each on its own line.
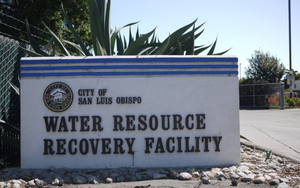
<point x="50" y="74"/>
<point x="96" y="67"/>
<point x="132" y="60"/>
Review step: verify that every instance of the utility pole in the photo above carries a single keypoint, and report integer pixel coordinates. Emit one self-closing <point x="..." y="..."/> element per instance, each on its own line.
<point x="291" y="77"/>
<point x="290" y="37"/>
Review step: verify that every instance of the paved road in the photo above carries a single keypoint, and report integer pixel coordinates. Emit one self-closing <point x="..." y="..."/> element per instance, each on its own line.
<point x="278" y="130"/>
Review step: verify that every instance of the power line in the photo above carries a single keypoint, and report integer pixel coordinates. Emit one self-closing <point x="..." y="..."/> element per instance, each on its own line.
<point x="23" y="22"/>
<point x="10" y="36"/>
<point x="12" y="27"/>
<point x="22" y="31"/>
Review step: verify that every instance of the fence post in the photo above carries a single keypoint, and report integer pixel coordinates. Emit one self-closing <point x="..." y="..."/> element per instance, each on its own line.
<point x="282" y="105"/>
<point x="253" y="95"/>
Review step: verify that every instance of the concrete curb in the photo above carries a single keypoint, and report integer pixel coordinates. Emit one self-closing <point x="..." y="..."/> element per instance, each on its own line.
<point x="275" y="152"/>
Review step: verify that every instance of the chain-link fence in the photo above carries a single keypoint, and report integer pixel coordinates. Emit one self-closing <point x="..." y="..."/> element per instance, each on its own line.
<point x="262" y="96"/>
<point x="10" y="55"/>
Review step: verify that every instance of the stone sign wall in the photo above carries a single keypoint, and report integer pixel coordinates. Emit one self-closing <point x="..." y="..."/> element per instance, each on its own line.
<point x="160" y="111"/>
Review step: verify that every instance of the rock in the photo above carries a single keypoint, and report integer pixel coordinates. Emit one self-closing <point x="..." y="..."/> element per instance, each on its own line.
<point x="108" y="180"/>
<point x="52" y="168"/>
<point x="2" y="184"/>
<point x="48" y="180"/>
<point x="16" y="185"/>
<point x="234" y="182"/>
<point x="185" y="176"/>
<point x="234" y="176"/>
<point x="225" y="169"/>
<point x="38" y="182"/>
<point x="138" y="176"/>
<point x="163" y="171"/>
<point x="241" y="174"/>
<point x="250" y="168"/>
<point x="120" y="178"/>
<point x="174" y="175"/>
<point x="114" y="175"/>
<point x="259" y="180"/>
<point x="269" y="171"/>
<point x="205" y="180"/>
<point x="274" y="182"/>
<point x="24" y="173"/>
<point x="215" y="170"/>
<point x="283" y="185"/>
<point x="247" y="178"/>
<point x="134" y="170"/>
<point x="122" y="169"/>
<point x="79" y="180"/>
<point x="30" y="183"/>
<point x="272" y="174"/>
<point x="159" y="176"/>
<point x="208" y="174"/>
<point x="284" y="180"/>
<point x="221" y="176"/>
<point x="268" y="177"/>
<point x="93" y="180"/>
<point x="150" y="173"/>
<point x="296" y="178"/>
<point x="243" y="168"/>
<point x="130" y="177"/>
<point x="15" y="182"/>
<point x="196" y="174"/>
<point x="232" y="168"/>
<point x="55" y="182"/>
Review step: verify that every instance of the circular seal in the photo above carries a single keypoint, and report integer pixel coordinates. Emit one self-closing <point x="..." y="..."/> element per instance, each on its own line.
<point x="58" y="97"/>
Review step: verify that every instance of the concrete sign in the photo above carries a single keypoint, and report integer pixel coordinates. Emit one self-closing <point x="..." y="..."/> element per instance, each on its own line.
<point x="150" y="111"/>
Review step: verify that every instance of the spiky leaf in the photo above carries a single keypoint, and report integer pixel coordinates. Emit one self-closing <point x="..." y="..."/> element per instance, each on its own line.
<point x="179" y="49"/>
<point x="162" y="48"/>
<point x="32" y="41"/>
<point x="172" y="39"/>
<point x="31" y="53"/>
<point x="212" y="49"/>
<point x="77" y="47"/>
<point x="190" y="43"/>
<point x="198" y="51"/>
<point x="116" y="32"/>
<point x="221" y="53"/>
<point x="9" y="127"/>
<point x="17" y="90"/>
<point x="135" y="46"/>
<point x="77" y="38"/>
<point x="57" y="41"/>
<point x="100" y="50"/>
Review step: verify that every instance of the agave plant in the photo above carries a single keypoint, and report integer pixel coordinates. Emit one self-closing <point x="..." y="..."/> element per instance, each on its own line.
<point x="108" y="42"/>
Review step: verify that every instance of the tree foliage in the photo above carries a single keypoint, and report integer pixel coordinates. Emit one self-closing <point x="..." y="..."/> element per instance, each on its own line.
<point x="108" y="42"/>
<point x="264" y="68"/>
<point x="14" y="12"/>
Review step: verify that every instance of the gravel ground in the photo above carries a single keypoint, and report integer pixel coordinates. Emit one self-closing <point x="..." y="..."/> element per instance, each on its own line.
<point x="257" y="169"/>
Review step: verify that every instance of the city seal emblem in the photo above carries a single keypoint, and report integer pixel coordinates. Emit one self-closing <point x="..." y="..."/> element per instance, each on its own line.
<point x="58" y="97"/>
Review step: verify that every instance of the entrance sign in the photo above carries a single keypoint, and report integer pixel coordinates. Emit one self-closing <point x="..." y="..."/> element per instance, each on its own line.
<point x="129" y="111"/>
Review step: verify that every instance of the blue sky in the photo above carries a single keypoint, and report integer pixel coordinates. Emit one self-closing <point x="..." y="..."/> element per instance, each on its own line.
<point x="244" y="26"/>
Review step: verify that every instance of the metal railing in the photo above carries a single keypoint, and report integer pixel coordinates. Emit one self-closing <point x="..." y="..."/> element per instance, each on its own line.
<point x="261" y="96"/>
